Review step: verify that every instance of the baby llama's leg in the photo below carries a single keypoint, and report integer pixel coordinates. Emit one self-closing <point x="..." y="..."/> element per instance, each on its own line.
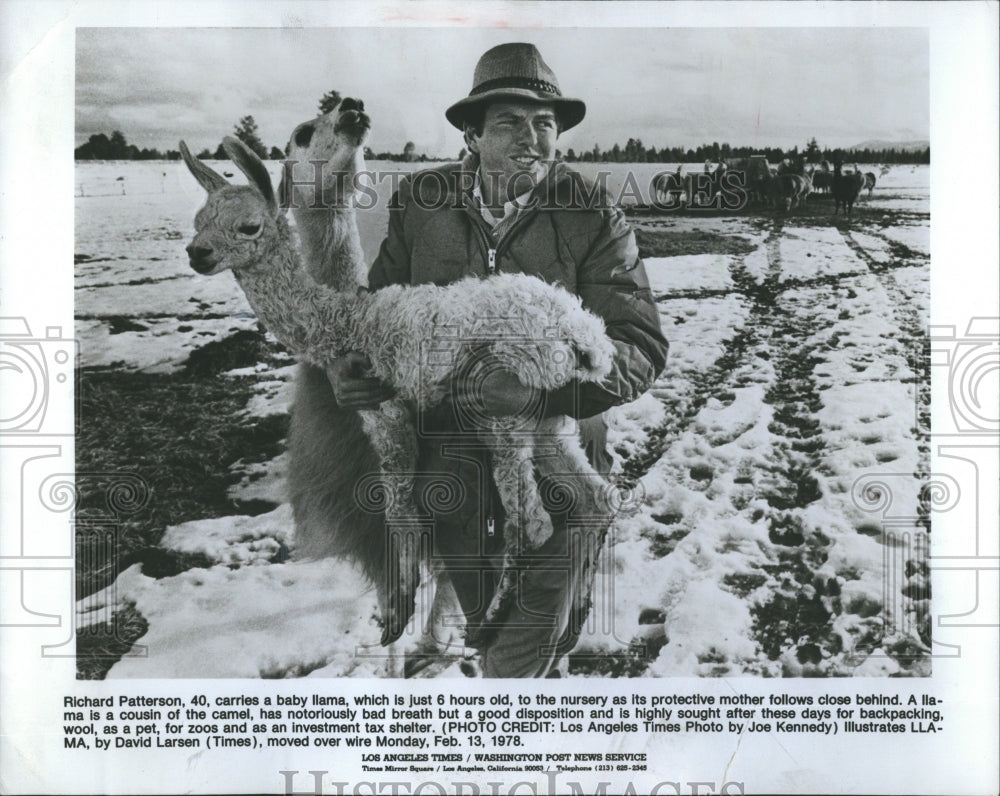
<point x="576" y="489"/>
<point x="514" y="473"/>
<point x="591" y="503"/>
<point x="527" y="523"/>
<point x="442" y="642"/>
<point x="393" y="438"/>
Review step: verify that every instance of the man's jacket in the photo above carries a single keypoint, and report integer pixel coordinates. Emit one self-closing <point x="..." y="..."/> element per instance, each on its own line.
<point x="571" y="235"/>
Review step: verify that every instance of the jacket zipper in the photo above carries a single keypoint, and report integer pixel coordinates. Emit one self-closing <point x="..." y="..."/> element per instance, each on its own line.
<point x="520" y="221"/>
<point x="490" y="514"/>
<point x="493" y="251"/>
<point x="487" y="241"/>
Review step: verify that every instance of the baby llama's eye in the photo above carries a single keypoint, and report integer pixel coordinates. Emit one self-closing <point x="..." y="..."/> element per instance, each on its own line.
<point x="248" y="229"/>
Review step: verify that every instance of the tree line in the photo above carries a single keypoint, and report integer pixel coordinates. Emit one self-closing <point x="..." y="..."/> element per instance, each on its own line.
<point x="116" y="147"/>
<point x="635" y="152"/>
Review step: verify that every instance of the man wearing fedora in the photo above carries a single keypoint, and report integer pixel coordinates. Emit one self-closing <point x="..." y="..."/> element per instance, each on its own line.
<point x="510" y="206"/>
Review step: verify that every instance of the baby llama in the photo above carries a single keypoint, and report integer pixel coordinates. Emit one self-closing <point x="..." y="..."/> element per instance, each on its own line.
<point x="414" y="338"/>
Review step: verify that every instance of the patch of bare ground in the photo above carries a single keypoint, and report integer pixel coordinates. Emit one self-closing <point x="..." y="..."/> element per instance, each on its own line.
<point x="154" y="450"/>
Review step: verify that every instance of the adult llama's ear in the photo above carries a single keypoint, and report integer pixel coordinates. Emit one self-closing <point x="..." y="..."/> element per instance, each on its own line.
<point x="207" y="179"/>
<point x="252" y="166"/>
<point x="285" y="198"/>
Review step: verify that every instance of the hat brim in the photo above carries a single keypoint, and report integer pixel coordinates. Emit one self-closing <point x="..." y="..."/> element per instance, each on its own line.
<point x="569" y="110"/>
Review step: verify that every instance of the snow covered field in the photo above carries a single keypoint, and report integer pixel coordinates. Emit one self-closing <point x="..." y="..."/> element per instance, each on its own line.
<point x="793" y="408"/>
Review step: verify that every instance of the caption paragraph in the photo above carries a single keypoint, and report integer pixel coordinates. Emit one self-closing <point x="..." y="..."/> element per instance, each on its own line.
<point x="450" y="730"/>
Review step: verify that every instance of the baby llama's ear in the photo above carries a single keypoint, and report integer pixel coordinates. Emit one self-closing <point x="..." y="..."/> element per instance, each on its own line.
<point x="206" y="177"/>
<point x="252" y="166"/>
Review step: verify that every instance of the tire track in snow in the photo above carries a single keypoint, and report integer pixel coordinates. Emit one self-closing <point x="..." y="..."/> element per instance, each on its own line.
<point x="794" y="612"/>
<point x="711" y="382"/>
<point x="912" y="584"/>
<point x="787" y="327"/>
<point x="914" y="335"/>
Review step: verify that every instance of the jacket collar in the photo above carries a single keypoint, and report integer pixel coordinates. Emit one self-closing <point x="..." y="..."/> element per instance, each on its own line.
<point x="558" y="173"/>
<point x="519" y="204"/>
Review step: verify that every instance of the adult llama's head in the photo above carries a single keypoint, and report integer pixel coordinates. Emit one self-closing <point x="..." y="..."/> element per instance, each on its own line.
<point x="333" y="143"/>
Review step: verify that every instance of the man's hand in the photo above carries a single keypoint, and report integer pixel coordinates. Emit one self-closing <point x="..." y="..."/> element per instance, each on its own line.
<point x="494" y="392"/>
<point x="353" y="384"/>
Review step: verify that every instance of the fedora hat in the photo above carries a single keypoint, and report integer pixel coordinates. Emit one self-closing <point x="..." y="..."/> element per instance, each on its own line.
<point x="515" y="72"/>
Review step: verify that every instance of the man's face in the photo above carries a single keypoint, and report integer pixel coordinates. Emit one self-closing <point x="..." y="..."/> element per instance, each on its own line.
<point x="517" y="141"/>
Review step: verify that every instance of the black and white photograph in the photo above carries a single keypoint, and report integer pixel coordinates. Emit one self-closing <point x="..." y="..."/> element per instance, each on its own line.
<point x="779" y="250"/>
<point x="404" y="350"/>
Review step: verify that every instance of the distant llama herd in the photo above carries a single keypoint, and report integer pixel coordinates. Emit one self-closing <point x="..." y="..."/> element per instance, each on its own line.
<point x="790" y="184"/>
<point x="782" y="187"/>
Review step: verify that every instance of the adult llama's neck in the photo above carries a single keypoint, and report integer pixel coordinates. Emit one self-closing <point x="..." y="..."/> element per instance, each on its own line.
<point x="331" y="246"/>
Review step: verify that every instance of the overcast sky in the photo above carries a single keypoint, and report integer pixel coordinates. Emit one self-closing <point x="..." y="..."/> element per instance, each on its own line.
<point x="666" y="86"/>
